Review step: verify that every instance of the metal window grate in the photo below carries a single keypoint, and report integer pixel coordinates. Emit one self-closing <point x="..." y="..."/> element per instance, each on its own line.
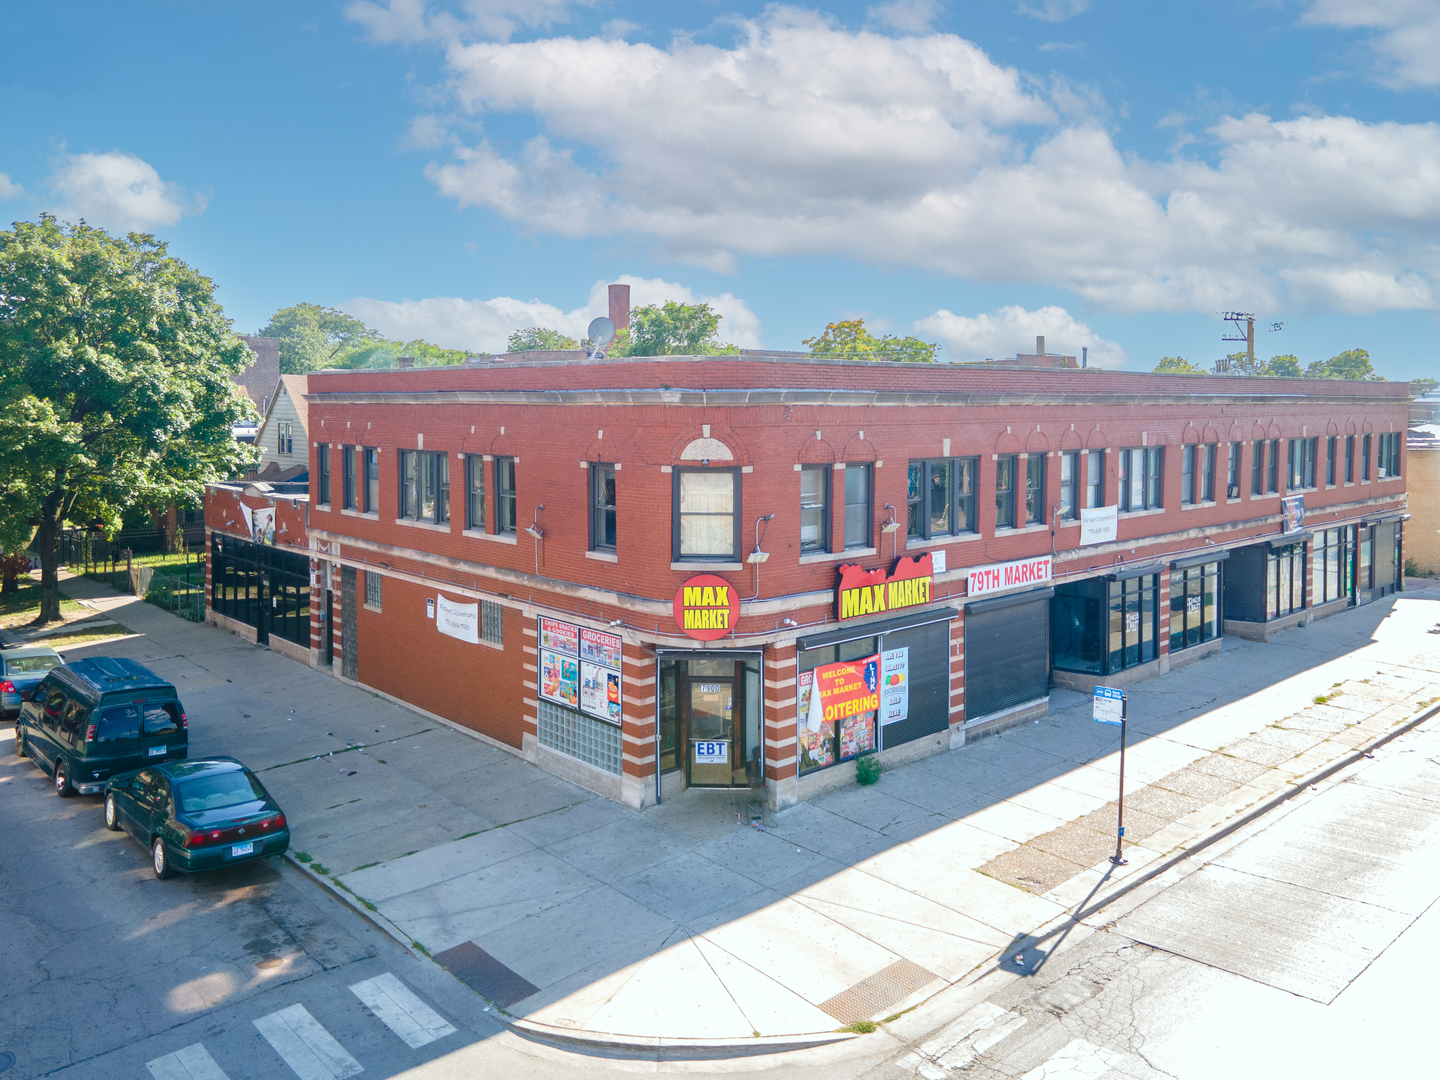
<point x="372" y="589"/>
<point x="591" y="741"/>
<point x="492" y="622"/>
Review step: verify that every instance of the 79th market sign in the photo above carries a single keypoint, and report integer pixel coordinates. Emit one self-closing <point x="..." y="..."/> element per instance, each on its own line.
<point x="873" y="592"/>
<point x="706" y="607"/>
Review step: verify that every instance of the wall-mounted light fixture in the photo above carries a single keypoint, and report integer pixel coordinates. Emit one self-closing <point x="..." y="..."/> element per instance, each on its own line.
<point x="756" y="557"/>
<point x="889" y="528"/>
<point x="534" y="528"/>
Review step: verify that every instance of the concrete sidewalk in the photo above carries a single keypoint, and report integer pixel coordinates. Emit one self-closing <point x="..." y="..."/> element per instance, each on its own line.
<point x="581" y="915"/>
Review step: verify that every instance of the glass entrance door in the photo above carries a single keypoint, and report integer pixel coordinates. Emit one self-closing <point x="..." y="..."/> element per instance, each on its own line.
<point x="713" y="753"/>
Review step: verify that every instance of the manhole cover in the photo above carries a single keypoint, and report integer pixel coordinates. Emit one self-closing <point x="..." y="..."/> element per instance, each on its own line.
<point x="6" y="1060"/>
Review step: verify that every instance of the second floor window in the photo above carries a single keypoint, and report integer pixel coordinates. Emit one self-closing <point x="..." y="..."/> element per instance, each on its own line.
<point x="425" y="485"/>
<point x="1389" y="463"/>
<point x="814" y="508"/>
<point x="1349" y="459"/>
<point x="1187" y="475"/>
<point x="347" y="469"/>
<point x="475" y="492"/>
<point x="1302" y="464"/>
<point x="1197" y="474"/>
<point x="602" y="507"/>
<point x="285" y="437"/>
<point x="372" y="480"/>
<point x="941" y="497"/>
<point x="505" y="519"/>
<point x="706" y="514"/>
<point x="1272" y="467"/>
<point x="1095" y="479"/>
<point x="1257" y="468"/>
<point x="1005" y="466"/>
<point x="322" y="474"/>
<point x="1035" y="489"/>
<point x="858" y="512"/>
<point x="1365" y="457"/>
<point x="1330" y="461"/>
<point x="1141" y="471"/>
<point x="1069" y="501"/>
<point x="1232" y="473"/>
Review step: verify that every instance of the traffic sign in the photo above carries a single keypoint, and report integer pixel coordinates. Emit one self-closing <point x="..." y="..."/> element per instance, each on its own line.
<point x="1109" y="705"/>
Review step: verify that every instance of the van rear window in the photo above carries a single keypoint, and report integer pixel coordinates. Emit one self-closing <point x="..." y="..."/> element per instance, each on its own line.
<point x="118" y="722"/>
<point x="218" y="791"/>
<point x="161" y="717"/>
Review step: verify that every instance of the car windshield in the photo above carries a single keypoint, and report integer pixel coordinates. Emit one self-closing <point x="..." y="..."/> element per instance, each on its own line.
<point x="218" y="790"/>
<point x="30" y="665"/>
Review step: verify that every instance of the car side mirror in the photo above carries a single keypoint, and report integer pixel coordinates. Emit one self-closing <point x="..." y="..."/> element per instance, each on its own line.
<point x="27" y="695"/>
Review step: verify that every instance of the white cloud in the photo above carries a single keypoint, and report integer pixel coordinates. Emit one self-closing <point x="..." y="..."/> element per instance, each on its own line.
<point x="412" y="21"/>
<point x="484" y="325"/>
<point x="119" y="191"/>
<point x="1062" y="46"/>
<point x="998" y="334"/>
<point x="1053" y="10"/>
<point x="906" y="16"/>
<point x="804" y="138"/>
<point x="1406" y="38"/>
<point x="9" y="189"/>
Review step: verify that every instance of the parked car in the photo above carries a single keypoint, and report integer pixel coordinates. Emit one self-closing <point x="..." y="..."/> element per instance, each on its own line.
<point x="21" y="668"/>
<point x="197" y="815"/>
<point x="94" y="718"/>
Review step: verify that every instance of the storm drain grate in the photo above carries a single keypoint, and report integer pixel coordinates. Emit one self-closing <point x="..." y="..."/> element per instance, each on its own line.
<point x="872" y="996"/>
<point x="485" y="975"/>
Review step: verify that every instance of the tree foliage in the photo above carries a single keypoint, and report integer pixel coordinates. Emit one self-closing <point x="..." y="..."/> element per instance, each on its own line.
<point x="1421" y="387"/>
<point x="115" y="365"/>
<point x="850" y="340"/>
<point x="1285" y="366"/>
<point x="533" y="338"/>
<point x="1350" y="364"/>
<point x="1178" y="365"/>
<point x="314" y="337"/>
<point x="671" y="329"/>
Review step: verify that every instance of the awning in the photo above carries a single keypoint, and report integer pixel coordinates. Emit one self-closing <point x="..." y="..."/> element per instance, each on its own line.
<point x="1217" y="555"/>
<point x="882" y="626"/>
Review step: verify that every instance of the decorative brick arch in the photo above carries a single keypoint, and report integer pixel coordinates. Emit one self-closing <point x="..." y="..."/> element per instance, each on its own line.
<point x="1036" y="442"/>
<point x="1332" y="428"/>
<point x="721" y="446"/>
<point x="1007" y="443"/>
<point x="1191" y="434"/>
<point x="1096" y="440"/>
<point x="861" y="448"/>
<point x="1275" y="431"/>
<point x="503" y="446"/>
<point x="1258" y="432"/>
<point x="606" y="449"/>
<point x="1350" y="427"/>
<point x="1366" y="428"/>
<point x="1071" y="440"/>
<point x="1210" y="435"/>
<point x="1236" y="435"/>
<point x="816" y="451"/>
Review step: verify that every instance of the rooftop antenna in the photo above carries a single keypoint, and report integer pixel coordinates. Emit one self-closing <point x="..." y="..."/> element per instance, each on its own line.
<point x="600" y="333"/>
<point x="1247" y="335"/>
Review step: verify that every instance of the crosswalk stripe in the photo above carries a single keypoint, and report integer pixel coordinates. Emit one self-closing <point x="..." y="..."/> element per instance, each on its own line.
<point x="401" y="1011"/>
<point x="967" y="1037"/>
<point x="307" y="1048"/>
<point x="1076" y="1060"/>
<point x="192" y="1063"/>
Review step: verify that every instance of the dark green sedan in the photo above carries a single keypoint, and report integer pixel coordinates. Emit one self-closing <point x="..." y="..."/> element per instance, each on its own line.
<point x="196" y="815"/>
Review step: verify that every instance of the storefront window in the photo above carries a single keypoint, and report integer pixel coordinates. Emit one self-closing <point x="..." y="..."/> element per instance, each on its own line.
<point x="830" y="742"/>
<point x="1329" y="573"/>
<point x="1194" y="605"/>
<point x="1076" y="626"/>
<point x="1285" y="580"/>
<point x="1132" y="621"/>
<point x="710" y="718"/>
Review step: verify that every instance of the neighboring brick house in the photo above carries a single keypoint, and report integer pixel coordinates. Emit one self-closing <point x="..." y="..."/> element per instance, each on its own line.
<point x="280" y="438"/>
<point x="640" y="572"/>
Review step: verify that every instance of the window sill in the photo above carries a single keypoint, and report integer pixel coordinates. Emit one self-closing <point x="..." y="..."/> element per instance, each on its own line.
<point x="602" y="556"/>
<point x="501" y="538"/>
<point x="834" y="556"/>
<point x="1387" y="479"/>
<point x="372" y="607"/>
<point x="697" y="565"/>
<point x="373" y="515"/>
<point x="1007" y="530"/>
<point x="937" y="541"/>
<point x="1200" y="505"/>
<point x="412" y="523"/>
<point x="1142" y="513"/>
<point x="1232" y="502"/>
<point x="323" y="506"/>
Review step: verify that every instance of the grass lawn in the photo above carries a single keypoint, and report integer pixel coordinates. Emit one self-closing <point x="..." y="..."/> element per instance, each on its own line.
<point x="23" y="605"/>
<point x="86" y="636"/>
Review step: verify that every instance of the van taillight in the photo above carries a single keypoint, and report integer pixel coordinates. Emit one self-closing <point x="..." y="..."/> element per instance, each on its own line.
<point x="183" y="722"/>
<point x="90" y="733"/>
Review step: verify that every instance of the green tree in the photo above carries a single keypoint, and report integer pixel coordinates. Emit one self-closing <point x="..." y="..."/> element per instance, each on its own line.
<point x="671" y="330"/>
<point x="1285" y="366"/>
<point x="1178" y="365"/>
<point x="1421" y="387"/>
<point x="313" y="337"/>
<point x="850" y="340"/>
<point x="539" y="337"/>
<point x="1350" y="364"/>
<point x="119" y="360"/>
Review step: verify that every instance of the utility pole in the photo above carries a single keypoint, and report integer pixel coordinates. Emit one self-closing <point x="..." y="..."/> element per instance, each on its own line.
<point x="1247" y="335"/>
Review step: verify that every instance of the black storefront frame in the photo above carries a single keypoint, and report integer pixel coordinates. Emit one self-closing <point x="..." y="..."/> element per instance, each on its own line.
<point x="1182" y="572"/>
<point x="1098" y="595"/>
<point x="742" y="656"/>
<point x="930" y="696"/>
<point x="262" y="586"/>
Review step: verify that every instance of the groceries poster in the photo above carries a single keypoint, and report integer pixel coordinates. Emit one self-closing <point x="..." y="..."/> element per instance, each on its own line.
<point x="837" y="709"/>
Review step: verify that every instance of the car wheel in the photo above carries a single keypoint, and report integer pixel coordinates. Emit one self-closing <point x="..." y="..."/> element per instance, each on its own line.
<point x="160" y="859"/>
<point x="19" y="741"/>
<point x="62" y="781"/>
<point x="112" y="819"/>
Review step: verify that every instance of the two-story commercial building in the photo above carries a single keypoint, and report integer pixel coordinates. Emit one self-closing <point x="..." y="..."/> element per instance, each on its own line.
<point x="650" y="575"/>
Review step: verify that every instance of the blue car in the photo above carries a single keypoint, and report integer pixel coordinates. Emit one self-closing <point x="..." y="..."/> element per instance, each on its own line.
<point x="21" y="668"/>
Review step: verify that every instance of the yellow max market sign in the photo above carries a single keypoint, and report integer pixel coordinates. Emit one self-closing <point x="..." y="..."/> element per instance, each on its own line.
<point x="706" y="607"/>
<point x="874" y="592"/>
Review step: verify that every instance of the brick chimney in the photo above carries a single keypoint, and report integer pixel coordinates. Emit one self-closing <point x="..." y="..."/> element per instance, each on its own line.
<point x="620" y="306"/>
<point x="1039" y="344"/>
<point x="406" y="361"/>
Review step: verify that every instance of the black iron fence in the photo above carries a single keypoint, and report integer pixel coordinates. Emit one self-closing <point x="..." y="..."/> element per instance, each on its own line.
<point x="163" y="566"/>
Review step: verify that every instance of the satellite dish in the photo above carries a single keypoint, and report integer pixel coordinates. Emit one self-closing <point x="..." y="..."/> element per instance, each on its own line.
<point x="601" y="332"/>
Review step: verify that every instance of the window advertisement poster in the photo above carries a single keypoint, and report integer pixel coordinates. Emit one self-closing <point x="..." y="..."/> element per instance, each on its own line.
<point x="894" y="685"/>
<point x="560" y="678"/>
<point x="857" y="734"/>
<point x="814" y="736"/>
<point x="580" y="667"/>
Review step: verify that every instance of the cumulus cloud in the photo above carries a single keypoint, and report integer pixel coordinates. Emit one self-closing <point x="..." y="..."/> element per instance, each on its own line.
<point x="119" y="191"/>
<point x="484" y="325"/>
<point x="1010" y="330"/>
<point x="412" y="21"/>
<point x="806" y="138"/>
<point x="906" y="16"/>
<point x="9" y="189"/>
<point x="1405" y="35"/>
<point x="1053" y="10"/>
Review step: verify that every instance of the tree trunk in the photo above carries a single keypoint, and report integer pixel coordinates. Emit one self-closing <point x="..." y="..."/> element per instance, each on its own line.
<point x="47" y="539"/>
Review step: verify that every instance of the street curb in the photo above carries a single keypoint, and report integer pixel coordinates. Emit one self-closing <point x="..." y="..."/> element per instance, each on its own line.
<point x="355" y="904"/>
<point x="660" y="1046"/>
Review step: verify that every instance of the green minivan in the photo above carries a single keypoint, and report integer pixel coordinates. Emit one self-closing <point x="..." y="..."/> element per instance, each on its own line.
<point x="94" y="718"/>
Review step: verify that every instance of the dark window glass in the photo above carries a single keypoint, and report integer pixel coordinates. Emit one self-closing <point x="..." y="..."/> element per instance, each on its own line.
<point x="1388" y="463"/>
<point x="915" y="500"/>
<point x="1257" y="468"/>
<point x="814" y="508"/>
<point x="1005" y="491"/>
<point x="1035" y="489"/>
<point x="1069" y="471"/>
<point x="965" y="519"/>
<point x="505" y="518"/>
<point x="1365" y="457"/>
<point x="1132" y="621"/>
<point x="492" y="622"/>
<point x="706" y="514"/>
<point x="1207" y="473"/>
<point x="160" y="717"/>
<point x="409" y="483"/>
<point x="475" y="492"/>
<point x="858" y="512"/>
<point x="347" y="467"/>
<point x="1349" y="459"/>
<point x="322" y="474"/>
<point x="442" y="488"/>
<point x="372" y="589"/>
<point x="1272" y="468"/>
<point x="118" y="722"/>
<point x="939" y="498"/>
<point x="218" y="791"/>
<point x="1187" y="475"/>
<point x="1095" y="479"/>
<point x="1232" y="473"/>
<point x="372" y="480"/>
<point x="602" y="507"/>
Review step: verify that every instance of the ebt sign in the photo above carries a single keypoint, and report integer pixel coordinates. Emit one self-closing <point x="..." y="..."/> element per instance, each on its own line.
<point x="1010" y="575"/>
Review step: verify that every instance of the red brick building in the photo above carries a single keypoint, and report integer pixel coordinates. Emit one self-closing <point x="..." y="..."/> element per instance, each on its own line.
<point x="639" y="573"/>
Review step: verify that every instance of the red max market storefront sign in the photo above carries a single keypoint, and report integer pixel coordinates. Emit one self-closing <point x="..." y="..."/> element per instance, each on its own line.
<point x="873" y="592"/>
<point x="706" y="607"/>
<point x="1010" y="575"/>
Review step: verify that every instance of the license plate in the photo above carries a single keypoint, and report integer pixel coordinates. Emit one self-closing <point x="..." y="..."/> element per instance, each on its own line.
<point x="157" y="751"/>
<point x="242" y="849"/>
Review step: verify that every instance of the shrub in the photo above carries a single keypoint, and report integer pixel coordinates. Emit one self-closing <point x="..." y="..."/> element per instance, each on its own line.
<point x="867" y="768"/>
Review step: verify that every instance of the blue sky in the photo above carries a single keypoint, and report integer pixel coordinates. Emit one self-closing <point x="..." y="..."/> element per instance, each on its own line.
<point x="1109" y="173"/>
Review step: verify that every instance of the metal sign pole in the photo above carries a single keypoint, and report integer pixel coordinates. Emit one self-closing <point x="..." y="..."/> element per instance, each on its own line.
<point x="1118" y="858"/>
